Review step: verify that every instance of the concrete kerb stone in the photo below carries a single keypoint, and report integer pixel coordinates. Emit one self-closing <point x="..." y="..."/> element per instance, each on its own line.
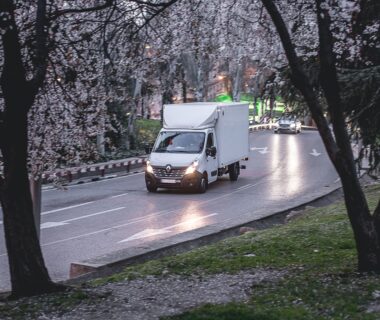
<point x="116" y="261"/>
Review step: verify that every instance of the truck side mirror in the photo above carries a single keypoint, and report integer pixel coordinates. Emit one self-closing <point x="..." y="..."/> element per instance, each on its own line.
<point x="148" y="148"/>
<point x="211" y="151"/>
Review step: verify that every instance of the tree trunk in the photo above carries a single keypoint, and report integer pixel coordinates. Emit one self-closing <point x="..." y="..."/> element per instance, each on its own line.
<point x="29" y="275"/>
<point x="363" y="224"/>
<point x="100" y="143"/>
<point x="366" y="227"/>
<point x="36" y="190"/>
<point x="237" y="80"/>
<point x="183" y="83"/>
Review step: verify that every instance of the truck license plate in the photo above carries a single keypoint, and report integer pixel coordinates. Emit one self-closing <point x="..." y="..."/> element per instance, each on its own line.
<point x="168" y="181"/>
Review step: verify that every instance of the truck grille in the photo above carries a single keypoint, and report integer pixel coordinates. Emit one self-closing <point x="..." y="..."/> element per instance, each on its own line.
<point x="284" y="125"/>
<point x="161" y="172"/>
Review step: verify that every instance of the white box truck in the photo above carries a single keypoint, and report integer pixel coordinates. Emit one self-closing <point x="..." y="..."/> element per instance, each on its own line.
<point x="198" y="143"/>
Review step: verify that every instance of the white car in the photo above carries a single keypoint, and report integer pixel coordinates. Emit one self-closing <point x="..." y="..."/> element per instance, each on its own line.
<point x="288" y="124"/>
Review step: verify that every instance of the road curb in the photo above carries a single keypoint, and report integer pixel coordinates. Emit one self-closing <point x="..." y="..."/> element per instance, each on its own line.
<point x="114" y="262"/>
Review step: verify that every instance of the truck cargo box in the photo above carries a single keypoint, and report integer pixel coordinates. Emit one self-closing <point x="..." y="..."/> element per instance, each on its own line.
<point x="230" y="121"/>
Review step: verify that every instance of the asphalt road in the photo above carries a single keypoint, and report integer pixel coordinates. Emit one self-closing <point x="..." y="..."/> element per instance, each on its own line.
<point x="92" y="219"/>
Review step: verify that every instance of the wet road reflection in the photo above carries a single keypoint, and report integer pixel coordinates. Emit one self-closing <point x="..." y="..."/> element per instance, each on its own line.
<point x="292" y="166"/>
<point x="285" y="167"/>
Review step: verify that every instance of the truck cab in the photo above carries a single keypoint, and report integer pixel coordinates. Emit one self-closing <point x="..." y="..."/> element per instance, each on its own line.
<point x="182" y="159"/>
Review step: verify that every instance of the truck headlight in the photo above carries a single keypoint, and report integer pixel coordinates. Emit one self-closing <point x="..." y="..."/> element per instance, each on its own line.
<point x="149" y="168"/>
<point x="292" y="125"/>
<point x="192" y="167"/>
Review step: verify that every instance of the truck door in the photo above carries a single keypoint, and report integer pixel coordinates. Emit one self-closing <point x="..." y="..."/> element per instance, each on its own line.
<point x="212" y="161"/>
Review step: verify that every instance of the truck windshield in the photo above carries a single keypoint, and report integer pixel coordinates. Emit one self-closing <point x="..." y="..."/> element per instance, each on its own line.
<point x="179" y="142"/>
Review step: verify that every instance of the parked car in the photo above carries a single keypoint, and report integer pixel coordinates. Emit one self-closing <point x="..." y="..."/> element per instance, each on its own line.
<point x="288" y="123"/>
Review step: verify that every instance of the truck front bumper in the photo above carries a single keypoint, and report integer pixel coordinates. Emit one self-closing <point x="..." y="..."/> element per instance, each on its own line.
<point x="188" y="181"/>
<point x="285" y="129"/>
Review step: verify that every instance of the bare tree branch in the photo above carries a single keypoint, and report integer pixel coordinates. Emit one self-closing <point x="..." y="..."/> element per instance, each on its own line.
<point x="40" y="60"/>
<point x="13" y="70"/>
<point x="153" y="4"/>
<point x="329" y="82"/>
<point x="106" y="4"/>
<point x="156" y="13"/>
<point x="300" y="79"/>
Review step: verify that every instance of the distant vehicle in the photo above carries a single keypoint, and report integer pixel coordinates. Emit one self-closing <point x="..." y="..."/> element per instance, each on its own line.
<point x="288" y="123"/>
<point x="199" y="142"/>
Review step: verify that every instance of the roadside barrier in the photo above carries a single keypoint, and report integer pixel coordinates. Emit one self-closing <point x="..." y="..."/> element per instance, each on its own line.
<point x="96" y="169"/>
<point x="270" y="126"/>
<point x="264" y="126"/>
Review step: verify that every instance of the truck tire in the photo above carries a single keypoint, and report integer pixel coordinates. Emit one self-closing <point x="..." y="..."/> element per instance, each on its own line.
<point x="234" y="171"/>
<point x="202" y="185"/>
<point x="151" y="187"/>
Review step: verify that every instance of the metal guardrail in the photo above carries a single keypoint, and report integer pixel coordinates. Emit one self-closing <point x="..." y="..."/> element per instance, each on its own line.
<point x="99" y="169"/>
<point x="264" y="126"/>
<point x="270" y="126"/>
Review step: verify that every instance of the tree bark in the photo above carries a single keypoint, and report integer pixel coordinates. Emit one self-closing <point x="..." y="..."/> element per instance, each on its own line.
<point x="365" y="227"/>
<point x="363" y="224"/>
<point x="29" y="275"/>
<point x="36" y="193"/>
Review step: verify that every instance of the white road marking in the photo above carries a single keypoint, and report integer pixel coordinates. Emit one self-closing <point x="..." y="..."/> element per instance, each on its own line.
<point x="50" y="224"/>
<point x="146" y="233"/>
<point x="191" y="221"/>
<point x="337" y="180"/>
<point x="133" y="221"/>
<point x="67" y="208"/>
<point x="315" y="153"/>
<point x="119" y="195"/>
<point x="263" y="150"/>
<point x="245" y="187"/>
<point x="137" y="220"/>
<point x="93" y="214"/>
<point x="153" y="232"/>
<point x="46" y="225"/>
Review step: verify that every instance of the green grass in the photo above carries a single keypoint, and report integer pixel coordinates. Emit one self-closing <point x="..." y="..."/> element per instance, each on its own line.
<point x="317" y="250"/>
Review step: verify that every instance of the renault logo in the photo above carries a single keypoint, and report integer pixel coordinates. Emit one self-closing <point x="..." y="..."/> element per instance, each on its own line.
<point x="168" y="168"/>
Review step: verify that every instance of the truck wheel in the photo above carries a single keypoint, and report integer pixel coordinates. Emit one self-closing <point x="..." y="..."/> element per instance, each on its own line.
<point x="202" y="186"/>
<point x="234" y="171"/>
<point x="150" y="187"/>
